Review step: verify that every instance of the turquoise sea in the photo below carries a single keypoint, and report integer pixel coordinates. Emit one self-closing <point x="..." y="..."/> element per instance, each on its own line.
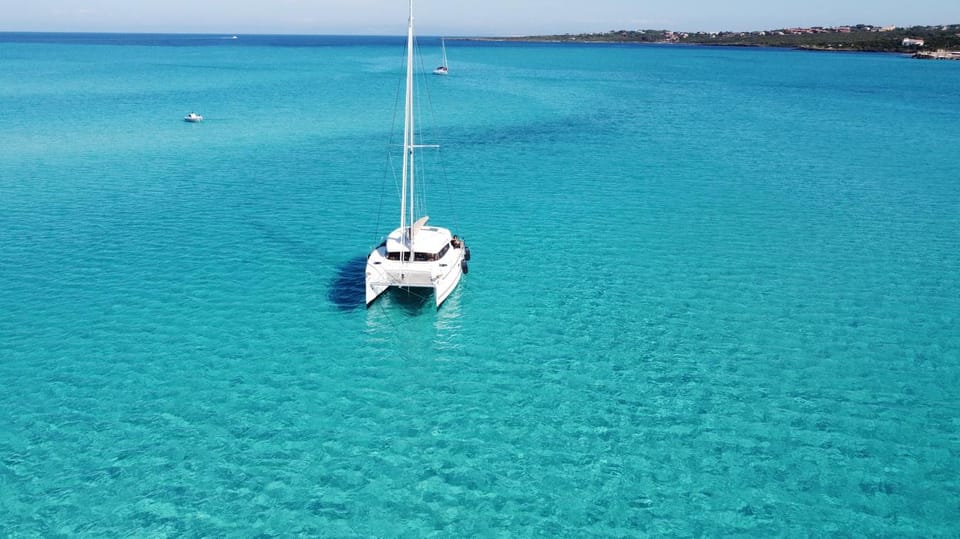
<point x="713" y="292"/>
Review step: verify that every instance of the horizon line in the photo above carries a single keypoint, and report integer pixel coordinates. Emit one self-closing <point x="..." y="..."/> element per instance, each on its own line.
<point x="482" y="35"/>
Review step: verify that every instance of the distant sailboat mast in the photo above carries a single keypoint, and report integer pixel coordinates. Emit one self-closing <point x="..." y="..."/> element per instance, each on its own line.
<point x="443" y="52"/>
<point x="442" y="68"/>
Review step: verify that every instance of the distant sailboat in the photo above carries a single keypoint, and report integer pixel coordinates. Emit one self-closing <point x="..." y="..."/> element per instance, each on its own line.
<point x="442" y="68"/>
<point x="415" y="256"/>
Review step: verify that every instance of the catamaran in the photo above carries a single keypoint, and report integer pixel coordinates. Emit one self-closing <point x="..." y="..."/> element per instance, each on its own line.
<point x="442" y="68"/>
<point x="415" y="256"/>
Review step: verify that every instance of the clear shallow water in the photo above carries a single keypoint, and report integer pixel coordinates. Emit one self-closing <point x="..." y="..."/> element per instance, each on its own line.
<point x="713" y="292"/>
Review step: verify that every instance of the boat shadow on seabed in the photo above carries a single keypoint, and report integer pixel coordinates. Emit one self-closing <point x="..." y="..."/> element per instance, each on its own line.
<point x="347" y="291"/>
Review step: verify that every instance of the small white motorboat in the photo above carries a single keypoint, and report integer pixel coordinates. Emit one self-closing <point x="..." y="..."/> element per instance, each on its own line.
<point x="193" y="117"/>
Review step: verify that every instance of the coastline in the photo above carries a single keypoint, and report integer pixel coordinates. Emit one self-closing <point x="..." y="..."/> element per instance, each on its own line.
<point x="934" y="42"/>
<point x="676" y="44"/>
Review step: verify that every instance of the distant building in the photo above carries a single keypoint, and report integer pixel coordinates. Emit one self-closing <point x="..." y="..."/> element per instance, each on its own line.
<point x="888" y="28"/>
<point x="910" y="42"/>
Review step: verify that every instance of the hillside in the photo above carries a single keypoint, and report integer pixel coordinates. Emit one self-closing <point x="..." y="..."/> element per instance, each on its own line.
<point x="859" y="37"/>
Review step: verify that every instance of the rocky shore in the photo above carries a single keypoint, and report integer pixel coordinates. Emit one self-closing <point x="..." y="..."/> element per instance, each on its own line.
<point x="937" y="55"/>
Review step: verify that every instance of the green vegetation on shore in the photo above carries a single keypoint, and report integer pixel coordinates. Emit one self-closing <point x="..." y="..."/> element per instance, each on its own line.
<point x="860" y="37"/>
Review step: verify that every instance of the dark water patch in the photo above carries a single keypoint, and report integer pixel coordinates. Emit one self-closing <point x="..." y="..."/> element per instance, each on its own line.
<point x="347" y="288"/>
<point x="878" y="487"/>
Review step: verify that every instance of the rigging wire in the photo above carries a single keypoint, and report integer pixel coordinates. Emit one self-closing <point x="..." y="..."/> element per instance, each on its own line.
<point x="434" y="125"/>
<point x="421" y="88"/>
<point x="390" y="169"/>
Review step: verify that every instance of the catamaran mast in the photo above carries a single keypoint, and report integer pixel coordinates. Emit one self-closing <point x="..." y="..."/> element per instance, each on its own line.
<point x="406" y="183"/>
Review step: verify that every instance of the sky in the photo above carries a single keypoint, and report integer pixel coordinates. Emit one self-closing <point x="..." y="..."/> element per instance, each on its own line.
<point x="459" y="17"/>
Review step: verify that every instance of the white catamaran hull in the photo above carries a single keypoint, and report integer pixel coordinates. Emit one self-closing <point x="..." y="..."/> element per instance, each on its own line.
<point x="439" y="276"/>
<point x="415" y="256"/>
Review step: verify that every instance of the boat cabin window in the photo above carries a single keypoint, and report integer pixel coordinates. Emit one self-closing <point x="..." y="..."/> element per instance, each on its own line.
<point x="418" y="256"/>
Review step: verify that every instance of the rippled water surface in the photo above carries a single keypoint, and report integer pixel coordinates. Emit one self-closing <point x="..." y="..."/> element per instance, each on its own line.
<point x="713" y="292"/>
